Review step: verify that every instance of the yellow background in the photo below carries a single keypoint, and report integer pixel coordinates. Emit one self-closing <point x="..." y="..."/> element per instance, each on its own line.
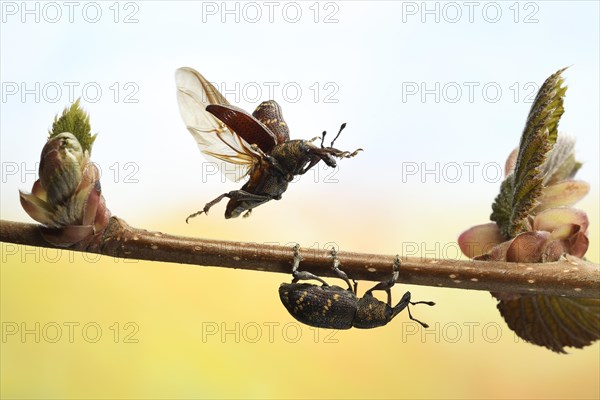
<point x="175" y="305"/>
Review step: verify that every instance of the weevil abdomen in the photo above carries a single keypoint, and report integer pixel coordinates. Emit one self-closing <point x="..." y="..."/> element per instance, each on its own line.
<point x="319" y="306"/>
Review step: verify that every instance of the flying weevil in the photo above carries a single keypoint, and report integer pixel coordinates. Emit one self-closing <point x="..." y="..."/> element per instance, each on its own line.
<point x="258" y="144"/>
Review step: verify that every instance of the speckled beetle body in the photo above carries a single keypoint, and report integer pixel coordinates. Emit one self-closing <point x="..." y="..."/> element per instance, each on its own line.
<point x="333" y="307"/>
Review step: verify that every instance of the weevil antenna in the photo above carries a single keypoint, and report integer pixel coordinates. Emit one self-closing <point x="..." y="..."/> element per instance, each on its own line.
<point x="338" y="135"/>
<point x="423" y="324"/>
<point x="323" y="138"/>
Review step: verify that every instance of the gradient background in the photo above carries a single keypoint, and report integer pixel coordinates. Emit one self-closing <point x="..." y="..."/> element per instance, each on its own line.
<point x="153" y="178"/>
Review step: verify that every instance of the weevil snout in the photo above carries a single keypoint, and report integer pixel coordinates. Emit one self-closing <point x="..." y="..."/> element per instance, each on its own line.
<point x="330" y="161"/>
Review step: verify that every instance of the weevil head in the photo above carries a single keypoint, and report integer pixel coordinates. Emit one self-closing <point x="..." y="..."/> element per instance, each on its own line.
<point x="312" y="154"/>
<point x="372" y="313"/>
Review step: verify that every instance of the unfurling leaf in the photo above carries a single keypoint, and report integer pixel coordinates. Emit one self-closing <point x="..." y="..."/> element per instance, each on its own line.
<point x="502" y="206"/>
<point x="76" y="121"/>
<point x="67" y="198"/>
<point x="534" y="223"/>
<point x="521" y="190"/>
<point x="561" y="164"/>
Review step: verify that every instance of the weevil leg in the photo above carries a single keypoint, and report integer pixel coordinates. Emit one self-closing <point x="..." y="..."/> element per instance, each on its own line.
<point x="207" y="207"/>
<point x="234" y="194"/>
<point x="405" y="300"/>
<point x="345" y="154"/>
<point x="327" y="154"/>
<point x="337" y="270"/>
<point x="302" y="275"/>
<point x="272" y="161"/>
<point x="387" y="285"/>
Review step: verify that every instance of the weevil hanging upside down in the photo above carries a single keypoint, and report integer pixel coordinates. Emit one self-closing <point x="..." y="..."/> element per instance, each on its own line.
<point x="336" y="308"/>
<point x="259" y="144"/>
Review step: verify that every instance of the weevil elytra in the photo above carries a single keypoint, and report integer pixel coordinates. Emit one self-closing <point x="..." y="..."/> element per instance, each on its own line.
<point x="333" y="307"/>
<point x="240" y="144"/>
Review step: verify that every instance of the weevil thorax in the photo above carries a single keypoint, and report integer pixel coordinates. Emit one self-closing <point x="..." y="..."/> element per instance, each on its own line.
<point x="292" y="155"/>
<point x="320" y="306"/>
<point x="371" y="313"/>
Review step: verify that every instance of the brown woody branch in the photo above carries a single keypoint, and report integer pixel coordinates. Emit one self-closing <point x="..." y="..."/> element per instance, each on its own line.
<point x="571" y="277"/>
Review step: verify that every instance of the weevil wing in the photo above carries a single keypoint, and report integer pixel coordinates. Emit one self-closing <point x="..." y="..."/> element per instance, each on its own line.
<point x="216" y="141"/>
<point x="270" y="114"/>
<point x="248" y="127"/>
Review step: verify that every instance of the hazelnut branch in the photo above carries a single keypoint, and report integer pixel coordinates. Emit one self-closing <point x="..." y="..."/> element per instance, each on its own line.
<point x="570" y="276"/>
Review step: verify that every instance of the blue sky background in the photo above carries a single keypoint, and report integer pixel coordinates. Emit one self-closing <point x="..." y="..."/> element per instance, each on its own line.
<point x="371" y="59"/>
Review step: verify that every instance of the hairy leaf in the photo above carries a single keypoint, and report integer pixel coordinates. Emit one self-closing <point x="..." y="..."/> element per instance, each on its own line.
<point x="76" y="121"/>
<point x="561" y="163"/>
<point x="502" y="206"/>
<point x="520" y="191"/>
<point x="552" y="321"/>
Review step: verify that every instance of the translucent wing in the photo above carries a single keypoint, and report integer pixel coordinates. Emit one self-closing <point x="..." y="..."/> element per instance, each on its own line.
<point x="220" y="145"/>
